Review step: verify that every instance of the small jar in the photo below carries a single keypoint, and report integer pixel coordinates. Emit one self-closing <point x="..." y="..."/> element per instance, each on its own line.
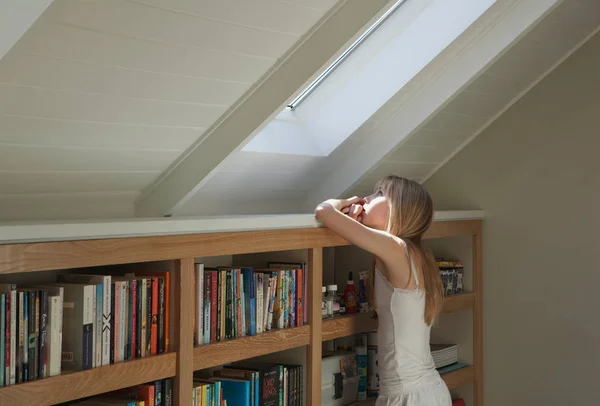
<point x="323" y="302"/>
<point x="333" y="301"/>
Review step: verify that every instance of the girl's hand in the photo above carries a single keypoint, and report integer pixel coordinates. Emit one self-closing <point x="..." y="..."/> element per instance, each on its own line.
<point x="354" y="211"/>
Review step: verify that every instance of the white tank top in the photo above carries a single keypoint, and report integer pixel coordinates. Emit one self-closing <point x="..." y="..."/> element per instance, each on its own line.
<point x="403" y="354"/>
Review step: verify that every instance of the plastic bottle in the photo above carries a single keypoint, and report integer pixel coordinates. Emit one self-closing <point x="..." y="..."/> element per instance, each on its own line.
<point x="323" y="302"/>
<point x="333" y="302"/>
<point x="363" y="300"/>
<point x="350" y="295"/>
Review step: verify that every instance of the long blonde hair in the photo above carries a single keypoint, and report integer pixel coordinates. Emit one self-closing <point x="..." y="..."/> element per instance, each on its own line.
<point x="410" y="215"/>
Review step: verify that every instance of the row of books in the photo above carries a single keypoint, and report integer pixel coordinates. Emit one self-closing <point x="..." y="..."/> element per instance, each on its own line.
<point x="451" y="273"/>
<point x="158" y="393"/>
<point x="233" y="302"/>
<point x="81" y="321"/>
<point x="250" y="384"/>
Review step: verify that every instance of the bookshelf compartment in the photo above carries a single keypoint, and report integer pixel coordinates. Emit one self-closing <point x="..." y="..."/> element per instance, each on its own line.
<point x="226" y="352"/>
<point x="462" y="301"/>
<point x="459" y="377"/>
<point x="81" y="384"/>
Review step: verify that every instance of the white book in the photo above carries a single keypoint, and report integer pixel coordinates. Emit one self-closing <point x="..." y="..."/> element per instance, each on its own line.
<point x="123" y="314"/>
<point x="259" y="285"/>
<point x="199" y="303"/>
<point x="102" y="326"/>
<point x="54" y="334"/>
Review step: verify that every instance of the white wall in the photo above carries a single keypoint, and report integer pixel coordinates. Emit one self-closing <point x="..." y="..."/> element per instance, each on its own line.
<point x="536" y="173"/>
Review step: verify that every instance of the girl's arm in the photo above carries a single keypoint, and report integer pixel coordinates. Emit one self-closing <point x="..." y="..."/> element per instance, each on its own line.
<point x="379" y="243"/>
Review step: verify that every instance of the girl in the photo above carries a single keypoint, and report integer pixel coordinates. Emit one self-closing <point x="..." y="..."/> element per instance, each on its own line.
<point x="390" y="225"/>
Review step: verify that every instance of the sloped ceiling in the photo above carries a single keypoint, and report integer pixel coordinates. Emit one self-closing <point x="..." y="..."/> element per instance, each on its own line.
<point x="98" y="98"/>
<point x="103" y="102"/>
<point x="423" y="125"/>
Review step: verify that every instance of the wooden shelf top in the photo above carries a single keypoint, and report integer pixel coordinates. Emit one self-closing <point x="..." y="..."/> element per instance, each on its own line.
<point x="225" y="352"/>
<point x="364" y="322"/>
<point x="453" y="380"/>
<point x="76" y="385"/>
<point x="22" y="232"/>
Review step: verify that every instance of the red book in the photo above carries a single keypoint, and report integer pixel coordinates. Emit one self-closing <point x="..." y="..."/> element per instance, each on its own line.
<point x="238" y="302"/>
<point x="133" y="318"/>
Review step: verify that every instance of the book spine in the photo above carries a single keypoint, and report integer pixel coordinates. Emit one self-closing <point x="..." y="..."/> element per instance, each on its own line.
<point x="106" y="318"/>
<point x="144" y="319"/>
<point x="219" y="305"/>
<point x="149" y="305"/>
<point x="130" y="329"/>
<point x="113" y="322"/>
<point x="43" y="334"/>
<point x="207" y="307"/>
<point x="238" y="304"/>
<point x="88" y="326"/>
<point x="214" y="282"/>
<point x="117" y="323"/>
<point x="98" y="325"/>
<point x="54" y="347"/>
<point x="133" y="337"/>
<point x="124" y="319"/>
<point x="229" y="306"/>
<point x="154" y="343"/>
<point x="199" y="303"/>
<point x="161" y="315"/>
<point x="3" y="326"/>
<point x="139" y="318"/>
<point x="257" y="314"/>
<point x="32" y="341"/>
<point x="9" y="339"/>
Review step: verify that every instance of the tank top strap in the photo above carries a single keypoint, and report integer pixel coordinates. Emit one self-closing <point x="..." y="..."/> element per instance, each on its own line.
<point x="412" y="264"/>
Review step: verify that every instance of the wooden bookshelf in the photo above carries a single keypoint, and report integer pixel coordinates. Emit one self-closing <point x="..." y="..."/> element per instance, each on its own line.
<point x="76" y="385"/>
<point x="225" y="352"/>
<point x="53" y="247"/>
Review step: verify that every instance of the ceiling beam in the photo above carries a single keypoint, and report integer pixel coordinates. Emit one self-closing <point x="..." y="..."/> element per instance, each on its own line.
<point x="481" y="44"/>
<point x="262" y="102"/>
<point x="16" y="16"/>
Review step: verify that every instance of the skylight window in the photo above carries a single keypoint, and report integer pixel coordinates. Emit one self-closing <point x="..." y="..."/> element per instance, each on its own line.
<point x="368" y="74"/>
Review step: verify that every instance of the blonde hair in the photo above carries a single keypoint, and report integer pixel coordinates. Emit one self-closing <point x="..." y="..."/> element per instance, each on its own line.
<point x="410" y="215"/>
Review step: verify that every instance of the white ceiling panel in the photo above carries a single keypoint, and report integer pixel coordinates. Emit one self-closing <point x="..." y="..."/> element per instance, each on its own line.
<point x="43" y="131"/>
<point x="83" y="77"/>
<point x="294" y="17"/>
<point x="67" y="42"/>
<point x="28" y="158"/>
<point x="39" y="102"/>
<point x="137" y="20"/>
<point x="71" y="182"/>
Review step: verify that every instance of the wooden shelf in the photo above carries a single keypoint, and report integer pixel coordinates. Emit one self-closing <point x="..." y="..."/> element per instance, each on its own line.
<point x="225" y="352"/>
<point x="364" y="322"/>
<point x="453" y="380"/>
<point x="348" y="325"/>
<point x="462" y="301"/>
<point x="76" y="385"/>
<point x="459" y="377"/>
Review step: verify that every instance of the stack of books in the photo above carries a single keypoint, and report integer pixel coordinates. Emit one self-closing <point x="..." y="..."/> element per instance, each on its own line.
<point x="81" y="321"/>
<point x="249" y="383"/>
<point x="444" y="354"/>
<point x="234" y="302"/>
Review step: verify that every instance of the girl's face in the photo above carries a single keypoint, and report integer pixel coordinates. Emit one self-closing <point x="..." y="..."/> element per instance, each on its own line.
<point x="376" y="211"/>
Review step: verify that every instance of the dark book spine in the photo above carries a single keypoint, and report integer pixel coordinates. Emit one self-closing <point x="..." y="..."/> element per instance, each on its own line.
<point x="229" y="305"/>
<point x="148" y="316"/>
<point x="112" y="323"/>
<point x="169" y="392"/>
<point x="269" y="392"/>
<point x="88" y="348"/>
<point x="158" y="393"/>
<point x="32" y="339"/>
<point x="139" y="320"/>
<point x="161" y="315"/>
<point x="43" y="338"/>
